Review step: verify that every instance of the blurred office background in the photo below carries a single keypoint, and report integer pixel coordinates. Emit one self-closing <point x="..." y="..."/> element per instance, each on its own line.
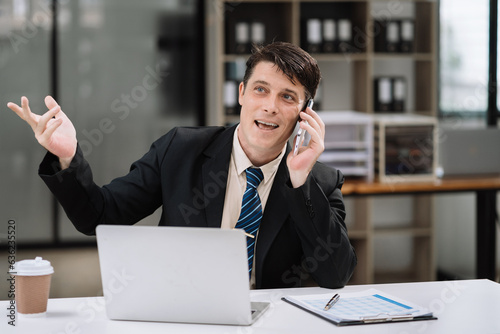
<point x="125" y="72"/>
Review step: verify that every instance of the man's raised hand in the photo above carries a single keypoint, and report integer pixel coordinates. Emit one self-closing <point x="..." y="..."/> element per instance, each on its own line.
<point x="53" y="130"/>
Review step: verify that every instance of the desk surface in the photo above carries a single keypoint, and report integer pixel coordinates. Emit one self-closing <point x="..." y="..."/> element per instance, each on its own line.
<point x="355" y="187"/>
<point x="470" y="306"/>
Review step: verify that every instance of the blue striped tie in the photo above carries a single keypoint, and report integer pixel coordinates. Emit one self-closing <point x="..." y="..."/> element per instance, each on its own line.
<point x="251" y="211"/>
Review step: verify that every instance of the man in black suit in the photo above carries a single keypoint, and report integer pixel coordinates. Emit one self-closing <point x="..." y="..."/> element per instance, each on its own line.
<point x="198" y="175"/>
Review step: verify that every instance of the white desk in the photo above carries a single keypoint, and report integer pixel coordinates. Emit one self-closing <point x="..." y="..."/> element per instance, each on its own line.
<point x="471" y="306"/>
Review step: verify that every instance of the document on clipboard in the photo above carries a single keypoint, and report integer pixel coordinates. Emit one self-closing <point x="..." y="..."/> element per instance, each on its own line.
<point x="358" y="308"/>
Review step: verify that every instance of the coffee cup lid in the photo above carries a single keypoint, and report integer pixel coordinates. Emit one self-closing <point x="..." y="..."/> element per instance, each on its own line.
<point x="36" y="267"/>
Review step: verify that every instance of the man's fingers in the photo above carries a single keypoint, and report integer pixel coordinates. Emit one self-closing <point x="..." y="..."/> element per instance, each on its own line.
<point x="310" y="124"/>
<point x="50" y="130"/>
<point x="315" y="130"/>
<point x="42" y="122"/>
<point x="50" y="102"/>
<point x="315" y="115"/>
<point x="315" y="121"/>
<point x="28" y="116"/>
<point x="17" y="109"/>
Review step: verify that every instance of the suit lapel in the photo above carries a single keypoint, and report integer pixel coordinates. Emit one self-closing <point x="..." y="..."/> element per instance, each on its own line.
<point x="214" y="175"/>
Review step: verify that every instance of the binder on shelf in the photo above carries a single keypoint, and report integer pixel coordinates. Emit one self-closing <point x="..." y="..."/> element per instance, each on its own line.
<point x="407" y="36"/>
<point x="398" y="94"/>
<point x="380" y="33"/>
<point x="329" y="36"/>
<point x="242" y="37"/>
<point x="233" y="76"/>
<point x="392" y="37"/>
<point x="258" y="33"/>
<point x="314" y="36"/>
<point x="231" y="105"/>
<point x="360" y="308"/>
<point x="383" y="95"/>
<point x="345" y="36"/>
<point x="395" y="36"/>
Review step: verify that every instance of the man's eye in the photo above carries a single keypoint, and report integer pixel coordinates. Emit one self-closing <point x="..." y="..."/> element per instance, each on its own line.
<point x="260" y="89"/>
<point x="288" y="98"/>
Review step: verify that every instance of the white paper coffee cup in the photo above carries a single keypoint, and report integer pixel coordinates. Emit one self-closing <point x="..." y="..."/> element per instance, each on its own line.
<point x="32" y="286"/>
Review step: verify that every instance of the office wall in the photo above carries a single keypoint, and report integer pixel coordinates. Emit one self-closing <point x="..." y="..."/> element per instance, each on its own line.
<point x="127" y="72"/>
<point x="134" y="65"/>
<point x="24" y="70"/>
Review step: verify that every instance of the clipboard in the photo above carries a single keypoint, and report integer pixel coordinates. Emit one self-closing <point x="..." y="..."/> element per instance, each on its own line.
<point x="360" y="308"/>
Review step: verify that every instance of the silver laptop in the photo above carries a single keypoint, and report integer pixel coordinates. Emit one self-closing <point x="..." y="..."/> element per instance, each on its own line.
<point x="176" y="274"/>
<point x="469" y="151"/>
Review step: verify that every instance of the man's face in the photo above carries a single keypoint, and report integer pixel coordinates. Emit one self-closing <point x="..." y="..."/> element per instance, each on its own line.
<point x="270" y="105"/>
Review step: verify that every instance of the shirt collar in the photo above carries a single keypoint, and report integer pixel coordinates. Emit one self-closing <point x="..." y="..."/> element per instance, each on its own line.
<point x="242" y="162"/>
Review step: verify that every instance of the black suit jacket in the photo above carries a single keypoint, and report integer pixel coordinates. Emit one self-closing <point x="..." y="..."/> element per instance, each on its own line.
<point x="302" y="231"/>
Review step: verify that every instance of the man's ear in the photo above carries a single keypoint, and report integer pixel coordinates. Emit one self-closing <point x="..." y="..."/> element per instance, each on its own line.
<point x="241" y="92"/>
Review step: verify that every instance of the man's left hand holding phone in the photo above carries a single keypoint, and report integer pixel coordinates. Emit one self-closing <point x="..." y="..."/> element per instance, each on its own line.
<point x="302" y="158"/>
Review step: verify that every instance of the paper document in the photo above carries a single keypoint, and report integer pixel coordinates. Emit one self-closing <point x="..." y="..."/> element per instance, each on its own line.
<point x="361" y="307"/>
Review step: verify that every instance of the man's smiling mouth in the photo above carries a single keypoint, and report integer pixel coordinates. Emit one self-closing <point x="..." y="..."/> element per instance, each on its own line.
<point x="266" y="125"/>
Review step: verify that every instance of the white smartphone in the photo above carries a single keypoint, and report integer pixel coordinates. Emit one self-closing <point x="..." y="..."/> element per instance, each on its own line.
<point x="301" y="134"/>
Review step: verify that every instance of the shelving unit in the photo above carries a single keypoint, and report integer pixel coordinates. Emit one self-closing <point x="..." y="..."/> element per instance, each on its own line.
<point x="367" y="238"/>
<point x="347" y="84"/>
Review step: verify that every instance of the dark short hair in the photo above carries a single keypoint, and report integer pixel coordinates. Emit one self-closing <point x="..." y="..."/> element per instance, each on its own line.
<point x="294" y="62"/>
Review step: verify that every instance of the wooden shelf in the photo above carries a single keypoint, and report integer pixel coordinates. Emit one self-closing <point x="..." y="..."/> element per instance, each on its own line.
<point x="408" y="231"/>
<point x="321" y="57"/>
<point x="411" y="56"/>
<point x="357" y="234"/>
<point x="234" y="57"/>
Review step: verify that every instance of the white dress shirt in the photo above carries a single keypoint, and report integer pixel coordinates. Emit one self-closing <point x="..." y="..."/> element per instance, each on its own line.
<point x="237" y="182"/>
